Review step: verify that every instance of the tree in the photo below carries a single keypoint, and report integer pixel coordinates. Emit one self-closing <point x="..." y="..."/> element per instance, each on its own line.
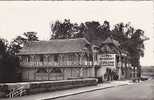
<point x="62" y="30"/>
<point x="78" y="30"/>
<point x="31" y="36"/>
<point x="19" y="41"/>
<point x="67" y="30"/>
<point x="95" y="31"/>
<point x="91" y="30"/>
<point x="3" y="47"/>
<point x="9" y="62"/>
<point x="132" y="41"/>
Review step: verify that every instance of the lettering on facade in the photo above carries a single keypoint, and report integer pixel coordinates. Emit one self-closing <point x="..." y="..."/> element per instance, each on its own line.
<point x="107" y="60"/>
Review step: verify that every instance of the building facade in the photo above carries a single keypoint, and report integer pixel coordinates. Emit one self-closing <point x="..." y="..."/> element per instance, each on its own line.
<point x="56" y="60"/>
<point x="63" y="59"/>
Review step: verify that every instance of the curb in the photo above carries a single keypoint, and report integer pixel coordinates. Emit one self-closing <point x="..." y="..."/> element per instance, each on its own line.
<point x="83" y="92"/>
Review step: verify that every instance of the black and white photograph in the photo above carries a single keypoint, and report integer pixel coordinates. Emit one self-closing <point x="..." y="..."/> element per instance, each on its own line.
<point x="77" y="50"/>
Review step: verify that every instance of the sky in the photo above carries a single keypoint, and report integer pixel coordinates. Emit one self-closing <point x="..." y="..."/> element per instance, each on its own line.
<point x="17" y="17"/>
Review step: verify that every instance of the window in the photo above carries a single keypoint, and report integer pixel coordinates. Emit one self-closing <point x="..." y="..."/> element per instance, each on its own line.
<point x="21" y="58"/>
<point x="70" y="57"/>
<point x="24" y="58"/>
<point x="41" y="58"/>
<point x="56" y="70"/>
<point x="41" y="70"/>
<point x="91" y="57"/>
<point x="56" y="57"/>
<point x="28" y="57"/>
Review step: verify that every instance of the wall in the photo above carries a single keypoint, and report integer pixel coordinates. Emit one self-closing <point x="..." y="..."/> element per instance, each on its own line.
<point x="72" y="65"/>
<point x="30" y="74"/>
<point x="101" y="71"/>
<point x="45" y="86"/>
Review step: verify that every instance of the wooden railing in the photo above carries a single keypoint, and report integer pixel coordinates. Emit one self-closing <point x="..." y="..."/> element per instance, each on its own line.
<point x="18" y="91"/>
<point x="39" y="64"/>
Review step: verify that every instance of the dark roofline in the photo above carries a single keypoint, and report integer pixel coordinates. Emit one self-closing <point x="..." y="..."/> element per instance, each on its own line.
<point x="24" y="51"/>
<point x="112" y="41"/>
<point x="46" y="53"/>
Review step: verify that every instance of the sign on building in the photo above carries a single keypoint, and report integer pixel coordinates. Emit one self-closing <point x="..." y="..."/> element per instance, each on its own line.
<point x="107" y="60"/>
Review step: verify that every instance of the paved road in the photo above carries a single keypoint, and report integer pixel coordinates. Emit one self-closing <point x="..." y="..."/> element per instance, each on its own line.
<point x="138" y="91"/>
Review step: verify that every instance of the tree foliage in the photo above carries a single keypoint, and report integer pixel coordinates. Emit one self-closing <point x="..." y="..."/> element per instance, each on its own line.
<point x="66" y="30"/>
<point x="9" y="62"/>
<point x="62" y="30"/>
<point x="19" y="41"/>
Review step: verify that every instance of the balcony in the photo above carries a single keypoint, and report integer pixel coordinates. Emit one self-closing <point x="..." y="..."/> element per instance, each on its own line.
<point x="38" y="64"/>
<point x="55" y="64"/>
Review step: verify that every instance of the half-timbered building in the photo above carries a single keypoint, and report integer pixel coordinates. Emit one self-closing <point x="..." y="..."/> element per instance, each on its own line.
<point x="111" y="61"/>
<point x="58" y="59"/>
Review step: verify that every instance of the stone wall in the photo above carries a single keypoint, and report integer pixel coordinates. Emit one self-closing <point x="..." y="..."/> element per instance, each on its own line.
<point x="46" y="86"/>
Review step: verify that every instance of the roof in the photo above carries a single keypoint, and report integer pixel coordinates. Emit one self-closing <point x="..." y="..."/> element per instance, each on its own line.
<point x="109" y="49"/>
<point x="109" y="40"/>
<point x="54" y="46"/>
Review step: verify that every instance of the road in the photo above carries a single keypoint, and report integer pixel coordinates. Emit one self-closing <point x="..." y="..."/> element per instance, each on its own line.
<point x="138" y="91"/>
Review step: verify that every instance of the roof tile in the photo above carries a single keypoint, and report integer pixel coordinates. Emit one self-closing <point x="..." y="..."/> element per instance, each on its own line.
<point x="54" y="46"/>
